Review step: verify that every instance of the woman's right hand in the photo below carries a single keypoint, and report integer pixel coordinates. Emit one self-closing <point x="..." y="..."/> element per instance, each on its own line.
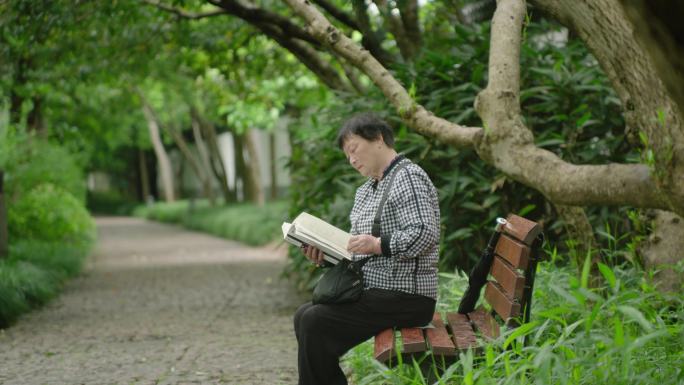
<point x="313" y="254"/>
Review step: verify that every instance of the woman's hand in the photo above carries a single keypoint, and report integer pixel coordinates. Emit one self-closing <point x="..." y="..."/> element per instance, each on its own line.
<point x="364" y="244"/>
<point x="313" y="254"/>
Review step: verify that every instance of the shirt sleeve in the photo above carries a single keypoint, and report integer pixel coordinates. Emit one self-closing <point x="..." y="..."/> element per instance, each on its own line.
<point x="418" y="228"/>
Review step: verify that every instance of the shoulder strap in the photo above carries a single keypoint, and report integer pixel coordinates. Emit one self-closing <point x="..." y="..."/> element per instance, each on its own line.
<point x="376" y="222"/>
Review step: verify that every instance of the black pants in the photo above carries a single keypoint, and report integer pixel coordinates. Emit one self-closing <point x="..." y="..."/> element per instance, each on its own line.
<point x="325" y="332"/>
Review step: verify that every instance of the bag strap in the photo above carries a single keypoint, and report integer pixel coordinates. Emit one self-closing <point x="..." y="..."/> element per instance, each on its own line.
<point x="378" y="214"/>
<point x="376" y="222"/>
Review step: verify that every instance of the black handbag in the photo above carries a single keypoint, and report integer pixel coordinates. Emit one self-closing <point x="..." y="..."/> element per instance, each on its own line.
<point x="343" y="283"/>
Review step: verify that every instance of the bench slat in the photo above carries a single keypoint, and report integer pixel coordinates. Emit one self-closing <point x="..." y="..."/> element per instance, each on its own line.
<point x="516" y="253"/>
<point x="506" y="308"/>
<point x="484" y="323"/>
<point x="438" y="338"/>
<point x="522" y="229"/>
<point x="413" y="340"/>
<point x="464" y="336"/>
<point x="384" y="345"/>
<point x="509" y="278"/>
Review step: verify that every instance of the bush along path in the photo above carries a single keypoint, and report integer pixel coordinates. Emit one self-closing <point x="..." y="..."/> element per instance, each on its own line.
<point x="160" y="305"/>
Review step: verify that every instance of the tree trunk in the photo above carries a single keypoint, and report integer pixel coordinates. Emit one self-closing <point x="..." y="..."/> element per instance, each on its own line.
<point x="657" y="26"/>
<point x="582" y="242"/>
<point x="4" y="236"/>
<point x="273" y="159"/>
<point x="240" y="167"/>
<point x="664" y="250"/>
<point x="203" y="155"/>
<point x="202" y="175"/>
<point x="144" y="176"/>
<point x="215" y="157"/>
<point x="648" y="108"/>
<point x="253" y="176"/>
<point x="34" y="120"/>
<point x="160" y="152"/>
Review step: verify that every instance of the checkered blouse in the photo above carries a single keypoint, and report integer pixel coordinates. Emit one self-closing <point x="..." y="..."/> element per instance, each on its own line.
<point x="410" y="230"/>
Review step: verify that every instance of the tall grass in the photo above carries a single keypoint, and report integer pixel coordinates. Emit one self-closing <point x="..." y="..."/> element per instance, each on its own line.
<point x="244" y="222"/>
<point x="34" y="273"/>
<point x="622" y="333"/>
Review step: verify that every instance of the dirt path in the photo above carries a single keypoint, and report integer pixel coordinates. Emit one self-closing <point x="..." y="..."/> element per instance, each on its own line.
<point x="157" y="304"/>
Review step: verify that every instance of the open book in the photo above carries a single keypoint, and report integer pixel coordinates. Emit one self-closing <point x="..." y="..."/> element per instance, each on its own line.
<point x="310" y="230"/>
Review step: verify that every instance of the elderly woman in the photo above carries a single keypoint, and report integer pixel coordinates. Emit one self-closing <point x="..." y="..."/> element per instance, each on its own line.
<point x="400" y="282"/>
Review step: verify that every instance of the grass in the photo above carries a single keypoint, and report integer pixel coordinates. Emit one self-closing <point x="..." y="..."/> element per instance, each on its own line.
<point x="34" y="273"/>
<point x="625" y="332"/>
<point x="244" y="222"/>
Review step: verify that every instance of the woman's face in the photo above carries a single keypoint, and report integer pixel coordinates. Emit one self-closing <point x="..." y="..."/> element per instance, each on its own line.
<point x="363" y="154"/>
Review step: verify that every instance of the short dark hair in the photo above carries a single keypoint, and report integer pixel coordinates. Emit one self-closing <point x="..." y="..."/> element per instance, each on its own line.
<point x="368" y="126"/>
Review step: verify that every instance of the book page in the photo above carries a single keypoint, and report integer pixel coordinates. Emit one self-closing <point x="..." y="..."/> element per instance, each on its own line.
<point x="324" y="233"/>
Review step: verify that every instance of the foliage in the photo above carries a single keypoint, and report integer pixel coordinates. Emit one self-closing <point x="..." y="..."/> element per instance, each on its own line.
<point x="51" y="214"/>
<point x="623" y="332"/>
<point x="246" y="222"/>
<point x="110" y="203"/>
<point x="34" y="273"/>
<point x="33" y="162"/>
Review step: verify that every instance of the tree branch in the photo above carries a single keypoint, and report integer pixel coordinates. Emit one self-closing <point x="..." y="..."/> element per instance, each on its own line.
<point x="338" y="14"/>
<point x="415" y="115"/>
<point x="509" y="144"/>
<point x="309" y="57"/>
<point x="371" y="40"/>
<point x="254" y="15"/>
<point x="648" y="108"/>
<point x="395" y="25"/>
<point x="183" y="13"/>
<point x="409" y="17"/>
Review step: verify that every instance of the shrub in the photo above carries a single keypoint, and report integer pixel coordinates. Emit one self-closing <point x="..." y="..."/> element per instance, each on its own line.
<point x="35" y="162"/>
<point x="34" y="273"/>
<point x="50" y="213"/>
<point x="244" y="222"/>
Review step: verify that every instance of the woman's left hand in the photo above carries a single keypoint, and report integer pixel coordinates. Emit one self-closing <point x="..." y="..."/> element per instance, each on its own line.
<point x="364" y="244"/>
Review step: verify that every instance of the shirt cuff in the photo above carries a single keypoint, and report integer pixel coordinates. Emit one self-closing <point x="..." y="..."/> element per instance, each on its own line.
<point x="385" y="245"/>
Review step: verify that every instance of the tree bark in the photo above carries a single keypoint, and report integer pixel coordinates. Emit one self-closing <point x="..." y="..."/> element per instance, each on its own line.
<point x="647" y="107"/>
<point x="203" y="157"/>
<point x="162" y="157"/>
<point x="253" y="185"/>
<point x="273" y="165"/>
<point x="240" y="166"/>
<point x="216" y="158"/>
<point x="652" y="115"/>
<point x="665" y="249"/>
<point x="144" y="176"/>
<point x="396" y="27"/>
<point x="201" y="173"/>
<point x="409" y="17"/>
<point x="657" y="26"/>
<point x="4" y="235"/>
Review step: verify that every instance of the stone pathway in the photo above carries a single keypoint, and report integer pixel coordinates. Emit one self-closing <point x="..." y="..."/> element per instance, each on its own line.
<point x="158" y="304"/>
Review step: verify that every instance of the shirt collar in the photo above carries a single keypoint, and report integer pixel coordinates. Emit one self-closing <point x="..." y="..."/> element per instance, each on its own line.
<point x="389" y="168"/>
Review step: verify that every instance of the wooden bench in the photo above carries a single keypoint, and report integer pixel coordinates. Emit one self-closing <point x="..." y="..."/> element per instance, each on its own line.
<point x="508" y="292"/>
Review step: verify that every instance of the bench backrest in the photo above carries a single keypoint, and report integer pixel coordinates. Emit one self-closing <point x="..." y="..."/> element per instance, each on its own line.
<point x="509" y="292"/>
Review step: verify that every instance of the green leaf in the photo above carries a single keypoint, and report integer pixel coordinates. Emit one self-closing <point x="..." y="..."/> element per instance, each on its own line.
<point x="586" y="268"/>
<point x="523" y="330"/>
<point x="636" y="315"/>
<point x="608" y="274"/>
